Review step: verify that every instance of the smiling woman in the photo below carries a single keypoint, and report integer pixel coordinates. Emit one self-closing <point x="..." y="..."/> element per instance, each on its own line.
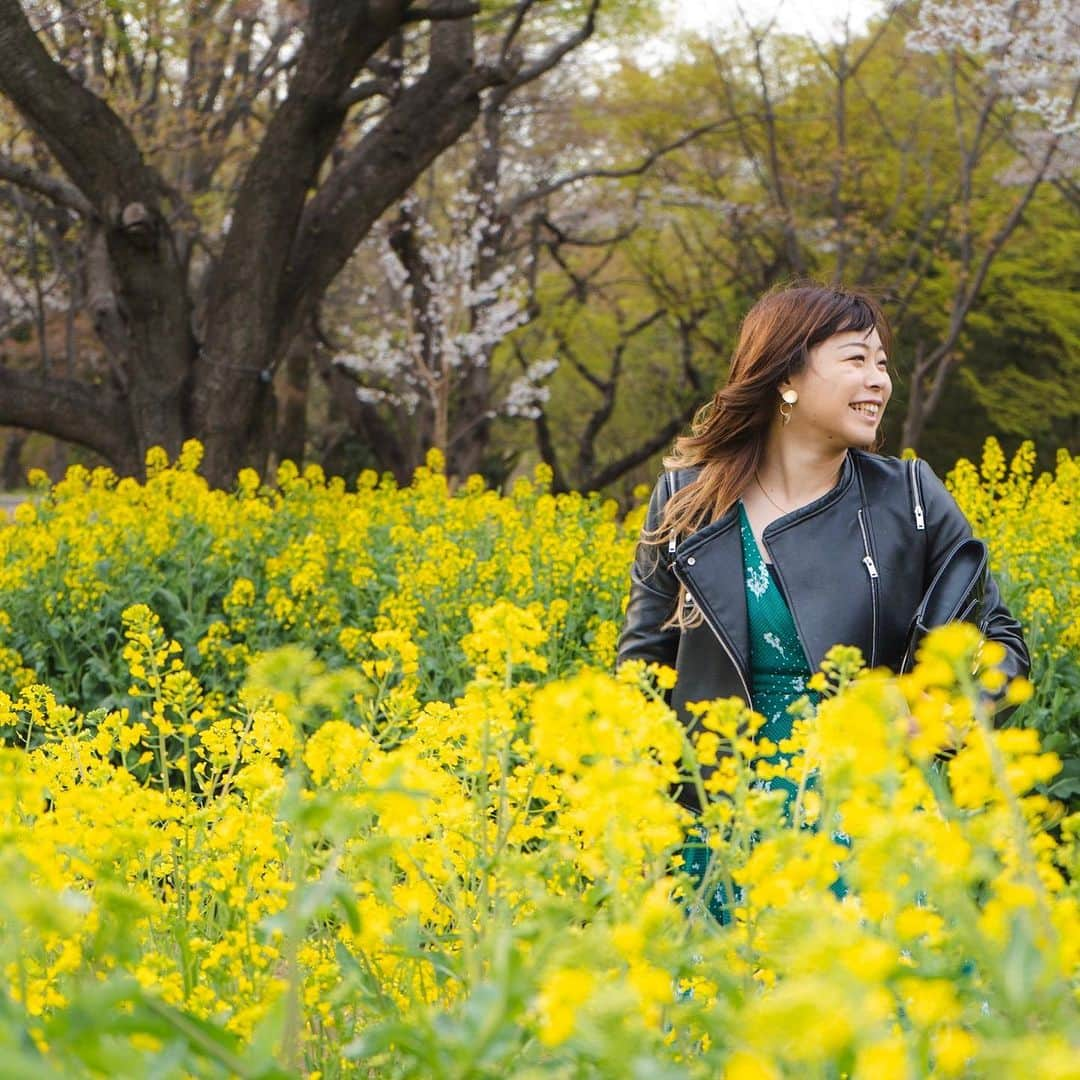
<point x="847" y="374"/>
<point x="777" y="532"/>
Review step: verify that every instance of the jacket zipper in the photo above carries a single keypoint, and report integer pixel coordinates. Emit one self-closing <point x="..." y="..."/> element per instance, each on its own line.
<point x="871" y="569"/>
<point x="720" y="636"/>
<point x="916" y="499"/>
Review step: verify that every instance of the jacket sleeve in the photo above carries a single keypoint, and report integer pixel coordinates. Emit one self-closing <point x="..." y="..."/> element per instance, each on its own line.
<point x="946" y="525"/>
<point x="654" y="592"/>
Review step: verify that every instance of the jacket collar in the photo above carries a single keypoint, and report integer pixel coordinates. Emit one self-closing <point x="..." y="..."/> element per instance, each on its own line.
<point x="723" y="523"/>
<point x="709" y="556"/>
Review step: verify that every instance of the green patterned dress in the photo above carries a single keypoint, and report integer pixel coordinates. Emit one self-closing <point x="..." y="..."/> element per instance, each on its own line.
<point x="778" y="676"/>
<point x="778" y="668"/>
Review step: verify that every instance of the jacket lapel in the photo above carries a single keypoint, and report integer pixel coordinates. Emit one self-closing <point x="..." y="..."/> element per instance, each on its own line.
<point x="829" y="592"/>
<point x="710" y="563"/>
<point x="817" y="551"/>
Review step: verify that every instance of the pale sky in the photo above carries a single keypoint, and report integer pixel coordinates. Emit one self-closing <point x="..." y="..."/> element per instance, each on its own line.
<point x="821" y="18"/>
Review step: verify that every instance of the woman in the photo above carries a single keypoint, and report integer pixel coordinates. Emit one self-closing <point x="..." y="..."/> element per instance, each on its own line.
<point x="777" y="534"/>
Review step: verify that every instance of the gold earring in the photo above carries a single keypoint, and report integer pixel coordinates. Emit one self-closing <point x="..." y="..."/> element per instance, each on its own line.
<point x="790" y="397"/>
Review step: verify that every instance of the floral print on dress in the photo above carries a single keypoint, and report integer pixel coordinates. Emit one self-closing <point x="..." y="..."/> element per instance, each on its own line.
<point x="778" y="665"/>
<point x="757" y="580"/>
<point x="779" y="672"/>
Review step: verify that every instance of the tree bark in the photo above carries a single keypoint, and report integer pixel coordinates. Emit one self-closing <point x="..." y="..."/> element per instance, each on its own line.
<point x="101" y="159"/>
<point x="293" y="398"/>
<point x="198" y="358"/>
<point x="91" y="416"/>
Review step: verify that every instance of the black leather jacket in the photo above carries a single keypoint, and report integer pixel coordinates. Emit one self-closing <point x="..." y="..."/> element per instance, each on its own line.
<point x="853" y="566"/>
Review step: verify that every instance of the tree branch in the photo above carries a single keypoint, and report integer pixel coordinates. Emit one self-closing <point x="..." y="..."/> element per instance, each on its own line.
<point x="607" y="174"/>
<point x="442" y="10"/>
<point x="610" y="473"/>
<point x="59" y="191"/>
<point x="339" y="39"/>
<point x="443" y="103"/>
<point x="365" y="90"/>
<point x="993" y="248"/>
<point x="598" y="384"/>
<point x="91" y="143"/>
<point x="794" y="251"/>
<point x="609" y="389"/>
<point x="556" y="52"/>
<point x="75" y="411"/>
<point x="520" y="12"/>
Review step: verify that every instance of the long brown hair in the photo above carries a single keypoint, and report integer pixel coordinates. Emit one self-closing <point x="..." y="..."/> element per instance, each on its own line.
<point x="728" y="433"/>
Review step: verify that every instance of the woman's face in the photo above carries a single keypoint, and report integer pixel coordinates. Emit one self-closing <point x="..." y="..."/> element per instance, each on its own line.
<point x="843" y="390"/>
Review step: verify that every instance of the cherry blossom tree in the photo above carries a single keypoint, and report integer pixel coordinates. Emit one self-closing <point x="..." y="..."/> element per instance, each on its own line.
<point x="1029" y="50"/>
<point x="432" y="326"/>
<point x="1007" y="60"/>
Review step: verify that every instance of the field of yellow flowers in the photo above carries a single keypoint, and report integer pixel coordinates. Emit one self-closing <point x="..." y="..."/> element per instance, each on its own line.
<point x="305" y="782"/>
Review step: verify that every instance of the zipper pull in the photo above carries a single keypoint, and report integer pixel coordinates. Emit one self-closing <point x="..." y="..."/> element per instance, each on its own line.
<point x="871" y="569"/>
<point x="913" y="479"/>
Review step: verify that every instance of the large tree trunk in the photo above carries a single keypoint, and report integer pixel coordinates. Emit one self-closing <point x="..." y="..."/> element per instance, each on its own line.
<point x="198" y="359"/>
<point x="12" y="475"/>
<point x="293" y="399"/>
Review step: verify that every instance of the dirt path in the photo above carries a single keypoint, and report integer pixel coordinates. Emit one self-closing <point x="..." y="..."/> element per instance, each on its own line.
<point x="9" y="500"/>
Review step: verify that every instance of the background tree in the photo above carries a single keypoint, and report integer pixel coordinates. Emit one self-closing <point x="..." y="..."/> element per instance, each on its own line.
<point x="222" y="161"/>
<point x="465" y="261"/>
<point x="616" y="214"/>
<point x="863" y="160"/>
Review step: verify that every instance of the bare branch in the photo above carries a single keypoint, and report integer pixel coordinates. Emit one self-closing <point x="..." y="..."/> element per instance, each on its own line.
<point x="567" y="239"/>
<point x="88" y="139"/>
<point x="598" y="384"/>
<point x="993" y="248"/>
<point x="270" y="202"/>
<point x="557" y="52"/>
<point x="609" y="389"/>
<point x="252" y="82"/>
<point x="377" y="171"/>
<point x="610" y="473"/>
<point x="442" y="10"/>
<point x="78" y="412"/>
<point x="365" y="90"/>
<point x="642" y="166"/>
<point x="794" y="251"/>
<point x="58" y="191"/>
<point x="520" y="12"/>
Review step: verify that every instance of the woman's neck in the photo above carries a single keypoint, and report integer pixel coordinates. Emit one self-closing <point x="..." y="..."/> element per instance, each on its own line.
<point x="795" y="475"/>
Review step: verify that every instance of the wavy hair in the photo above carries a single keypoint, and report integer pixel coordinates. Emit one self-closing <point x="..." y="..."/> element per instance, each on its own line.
<point x="727" y="435"/>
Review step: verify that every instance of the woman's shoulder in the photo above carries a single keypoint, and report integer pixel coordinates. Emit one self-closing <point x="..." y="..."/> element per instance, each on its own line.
<point x="908" y="472"/>
<point x="671" y="480"/>
<point x="909" y="483"/>
<point x="884" y="465"/>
